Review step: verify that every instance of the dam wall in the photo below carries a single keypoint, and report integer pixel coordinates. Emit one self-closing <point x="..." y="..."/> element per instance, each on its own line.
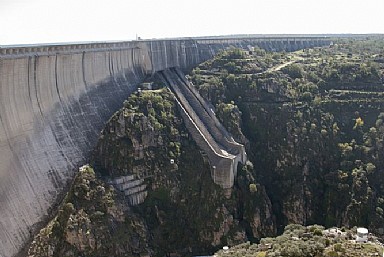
<point x="54" y="101"/>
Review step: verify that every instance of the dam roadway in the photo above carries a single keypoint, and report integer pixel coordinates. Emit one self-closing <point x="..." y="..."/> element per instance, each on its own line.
<point x="55" y="99"/>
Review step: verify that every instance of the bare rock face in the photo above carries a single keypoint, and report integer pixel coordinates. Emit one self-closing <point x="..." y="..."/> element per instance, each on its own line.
<point x="79" y="232"/>
<point x="262" y="220"/>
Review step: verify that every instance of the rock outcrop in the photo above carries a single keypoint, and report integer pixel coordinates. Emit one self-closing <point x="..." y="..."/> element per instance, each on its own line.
<point x="184" y="211"/>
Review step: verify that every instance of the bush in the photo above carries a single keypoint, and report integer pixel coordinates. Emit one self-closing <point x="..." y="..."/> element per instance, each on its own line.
<point x="318" y="232"/>
<point x="333" y="254"/>
<point x="338" y="248"/>
<point x="252" y="188"/>
<point x="293" y="70"/>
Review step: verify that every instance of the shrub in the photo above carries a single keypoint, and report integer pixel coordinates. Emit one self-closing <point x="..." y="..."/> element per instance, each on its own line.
<point x="338" y="248"/>
<point x="332" y="254"/>
<point x="293" y="70"/>
<point x="318" y="232"/>
<point x="261" y="254"/>
<point x="252" y="188"/>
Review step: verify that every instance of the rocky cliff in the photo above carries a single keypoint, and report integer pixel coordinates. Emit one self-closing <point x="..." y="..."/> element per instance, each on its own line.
<point x="92" y="221"/>
<point x="183" y="213"/>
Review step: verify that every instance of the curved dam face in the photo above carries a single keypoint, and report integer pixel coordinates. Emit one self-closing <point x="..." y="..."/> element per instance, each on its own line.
<point x="54" y="101"/>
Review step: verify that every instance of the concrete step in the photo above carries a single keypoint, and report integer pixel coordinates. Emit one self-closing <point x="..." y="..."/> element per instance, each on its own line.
<point x="133" y="189"/>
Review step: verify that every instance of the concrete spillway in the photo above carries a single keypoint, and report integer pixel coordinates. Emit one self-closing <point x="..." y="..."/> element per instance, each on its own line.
<point x="223" y="152"/>
<point x="211" y="121"/>
<point x="55" y="99"/>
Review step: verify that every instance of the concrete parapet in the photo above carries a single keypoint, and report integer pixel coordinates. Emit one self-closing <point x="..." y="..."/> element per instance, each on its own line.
<point x="175" y="45"/>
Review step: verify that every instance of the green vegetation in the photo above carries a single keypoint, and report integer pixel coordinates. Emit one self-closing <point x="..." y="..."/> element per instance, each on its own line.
<point x="184" y="213"/>
<point x="300" y="241"/>
<point x="146" y="128"/>
<point x="230" y="116"/>
<point x="83" y="224"/>
<point x="312" y="118"/>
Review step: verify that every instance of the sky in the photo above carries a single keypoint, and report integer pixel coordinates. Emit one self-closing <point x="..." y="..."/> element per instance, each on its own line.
<point x="50" y="21"/>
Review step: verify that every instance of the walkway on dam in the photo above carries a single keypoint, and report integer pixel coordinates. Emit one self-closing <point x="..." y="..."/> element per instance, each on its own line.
<point x="224" y="153"/>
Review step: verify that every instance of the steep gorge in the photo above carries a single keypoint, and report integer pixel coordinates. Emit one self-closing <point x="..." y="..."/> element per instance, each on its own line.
<point x="55" y="99"/>
<point x="314" y="134"/>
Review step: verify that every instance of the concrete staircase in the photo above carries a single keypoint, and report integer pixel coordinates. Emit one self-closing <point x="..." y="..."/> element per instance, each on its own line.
<point x="133" y="189"/>
<point x="223" y="152"/>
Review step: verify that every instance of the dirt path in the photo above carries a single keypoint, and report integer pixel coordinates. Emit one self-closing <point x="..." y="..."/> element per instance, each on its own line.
<point x="280" y="66"/>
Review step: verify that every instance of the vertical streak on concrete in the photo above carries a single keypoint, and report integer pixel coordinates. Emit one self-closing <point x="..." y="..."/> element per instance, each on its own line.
<point x="35" y="84"/>
<point x="110" y="64"/>
<point x="57" y="87"/>
<point x="165" y="54"/>
<point x="29" y="79"/>
<point x="83" y="69"/>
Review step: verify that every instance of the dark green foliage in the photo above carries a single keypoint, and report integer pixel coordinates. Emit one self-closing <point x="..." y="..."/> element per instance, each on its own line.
<point x="84" y="221"/>
<point x="300" y="241"/>
<point x="310" y="117"/>
<point x="230" y="116"/>
<point x="294" y="71"/>
<point x="148" y="120"/>
<point x="182" y="198"/>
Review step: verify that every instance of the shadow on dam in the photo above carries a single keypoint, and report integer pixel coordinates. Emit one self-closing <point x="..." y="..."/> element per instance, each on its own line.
<point x="45" y="158"/>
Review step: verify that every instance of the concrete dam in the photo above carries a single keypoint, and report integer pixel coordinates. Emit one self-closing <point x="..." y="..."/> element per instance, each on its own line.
<point x="55" y="99"/>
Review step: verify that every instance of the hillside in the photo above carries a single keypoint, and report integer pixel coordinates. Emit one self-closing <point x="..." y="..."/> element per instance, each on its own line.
<point x="314" y="124"/>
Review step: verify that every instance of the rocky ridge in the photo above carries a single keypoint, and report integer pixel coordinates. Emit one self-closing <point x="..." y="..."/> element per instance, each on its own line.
<point x="147" y="140"/>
